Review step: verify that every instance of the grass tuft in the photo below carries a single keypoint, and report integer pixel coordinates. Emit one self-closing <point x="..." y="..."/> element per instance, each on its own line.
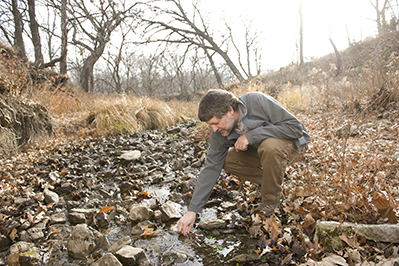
<point x="126" y="114"/>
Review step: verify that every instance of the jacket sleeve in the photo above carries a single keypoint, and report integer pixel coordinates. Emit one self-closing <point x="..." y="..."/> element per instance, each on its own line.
<point x="209" y="175"/>
<point x="273" y="120"/>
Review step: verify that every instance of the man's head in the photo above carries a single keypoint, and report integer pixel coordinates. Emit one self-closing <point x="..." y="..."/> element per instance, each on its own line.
<point x="219" y="109"/>
<point x="216" y="103"/>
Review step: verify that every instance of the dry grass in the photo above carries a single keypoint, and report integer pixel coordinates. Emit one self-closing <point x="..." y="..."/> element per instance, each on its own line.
<point x="127" y="114"/>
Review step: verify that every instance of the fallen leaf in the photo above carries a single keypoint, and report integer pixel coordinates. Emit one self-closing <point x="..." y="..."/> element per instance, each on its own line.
<point x="287" y="259"/>
<point x="106" y="209"/>
<point x="13" y="260"/>
<point x="272" y="227"/>
<point x="64" y="171"/>
<point x="143" y="194"/>
<point x="147" y="231"/>
<point x="351" y="240"/>
<point x="13" y="234"/>
<point x="385" y="208"/>
<point x="56" y="231"/>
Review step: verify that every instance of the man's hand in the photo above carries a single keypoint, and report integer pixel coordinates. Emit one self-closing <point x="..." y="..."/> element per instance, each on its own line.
<point x="186" y="222"/>
<point x="241" y="143"/>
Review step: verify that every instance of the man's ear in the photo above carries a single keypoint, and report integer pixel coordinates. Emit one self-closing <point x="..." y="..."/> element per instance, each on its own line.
<point x="231" y="110"/>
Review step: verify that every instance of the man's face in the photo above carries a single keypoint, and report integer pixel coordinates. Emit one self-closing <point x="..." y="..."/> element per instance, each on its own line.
<point x="225" y="124"/>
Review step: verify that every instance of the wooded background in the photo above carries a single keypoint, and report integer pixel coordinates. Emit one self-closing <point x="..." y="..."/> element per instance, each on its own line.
<point x="148" y="48"/>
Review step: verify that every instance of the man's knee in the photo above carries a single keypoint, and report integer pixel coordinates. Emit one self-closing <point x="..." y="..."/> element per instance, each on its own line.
<point x="277" y="147"/>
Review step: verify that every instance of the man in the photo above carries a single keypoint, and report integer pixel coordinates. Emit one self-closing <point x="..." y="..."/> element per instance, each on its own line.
<point x="253" y="138"/>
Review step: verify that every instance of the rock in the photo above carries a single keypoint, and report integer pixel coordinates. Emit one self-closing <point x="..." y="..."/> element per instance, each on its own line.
<point x="212" y="223"/>
<point x="50" y="196"/>
<point x="129" y="255"/>
<point x="130" y="155"/>
<point x="29" y="254"/>
<point x="58" y="218"/>
<point x="171" y="210"/>
<point x="172" y="258"/>
<point x="81" y="215"/>
<point x="76" y="218"/>
<point x="139" y="213"/>
<point x="35" y="234"/>
<point x="107" y="259"/>
<point x="54" y="176"/>
<point x="5" y="242"/>
<point x="103" y="219"/>
<point x="136" y="230"/>
<point x="126" y="240"/>
<point x="329" y="231"/>
<point x="59" y="231"/>
<point x="81" y="242"/>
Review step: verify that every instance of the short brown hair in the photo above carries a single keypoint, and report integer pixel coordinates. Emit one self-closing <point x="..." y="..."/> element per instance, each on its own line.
<point x="216" y="103"/>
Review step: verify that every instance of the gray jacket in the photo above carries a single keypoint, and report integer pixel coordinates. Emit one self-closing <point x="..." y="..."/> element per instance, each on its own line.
<point x="265" y="118"/>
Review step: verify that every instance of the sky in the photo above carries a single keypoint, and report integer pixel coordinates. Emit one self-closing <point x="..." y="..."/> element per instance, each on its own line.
<point x="278" y="21"/>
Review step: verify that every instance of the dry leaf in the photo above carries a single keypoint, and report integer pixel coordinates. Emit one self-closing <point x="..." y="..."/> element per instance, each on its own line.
<point x="351" y="240"/>
<point x="287" y="259"/>
<point x="56" y="231"/>
<point x="147" y="231"/>
<point x="13" y="234"/>
<point x="272" y="227"/>
<point x="13" y="260"/>
<point x="385" y="208"/>
<point x="106" y="209"/>
<point x="64" y="171"/>
<point x="143" y="194"/>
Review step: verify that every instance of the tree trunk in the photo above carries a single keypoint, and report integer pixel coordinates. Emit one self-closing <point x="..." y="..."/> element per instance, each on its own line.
<point x="338" y="55"/>
<point x="300" y="35"/>
<point x="34" y="29"/>
<point x="18" y="40"/>
<point x="214" y="69"/>
<point x="64" y="40"/>
<point x="86" y="75"/>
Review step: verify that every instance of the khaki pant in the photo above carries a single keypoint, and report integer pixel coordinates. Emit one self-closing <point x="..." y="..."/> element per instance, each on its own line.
<point x="264" y="165"/>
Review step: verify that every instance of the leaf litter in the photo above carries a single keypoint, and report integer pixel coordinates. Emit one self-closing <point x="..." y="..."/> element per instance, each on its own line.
<point x="344" y="178"/>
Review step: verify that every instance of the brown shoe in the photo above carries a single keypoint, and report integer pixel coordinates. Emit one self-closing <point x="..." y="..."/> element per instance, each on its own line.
<point x="268" y="209"/>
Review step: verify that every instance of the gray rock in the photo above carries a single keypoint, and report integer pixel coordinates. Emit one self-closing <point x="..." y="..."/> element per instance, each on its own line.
<point x="28" y="253"/>
<point x="50" y="196"/>
<point x="76" y="218"/>
<point x="212" y="223"/>
<point x="131" y="155"/>
<point x="81" y="215"/>
<point x="129" y="255"/>
<point x="35" y="233"/>
<point x="107" y="259"/>
<point x="171" y="210"/>
<point x="330" y="231"/>
<point x="139" y="213"/>
<point x="5" y="242"/>
<point x="59" y="231"/>
<point x="81" y="242"/>
<point x="58" y="218"/>
<point x="103" y="219"/>
<point x="126" y="240"/>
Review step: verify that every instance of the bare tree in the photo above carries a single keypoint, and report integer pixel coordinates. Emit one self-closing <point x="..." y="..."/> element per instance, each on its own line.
<point x="300" y="34"/>
<point x="114" y="62"/>
<point x="34" y="29"/>
<point x="251" y="46"/>
<point x="64" y="37"/>
<point x="6" y="21"/>
<point x="380" y="12"/>
<point x="174" y="26"/>
<point x="93" y="25"/>
<point x="149" y="75"/>
<point x="18" y="30"/>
